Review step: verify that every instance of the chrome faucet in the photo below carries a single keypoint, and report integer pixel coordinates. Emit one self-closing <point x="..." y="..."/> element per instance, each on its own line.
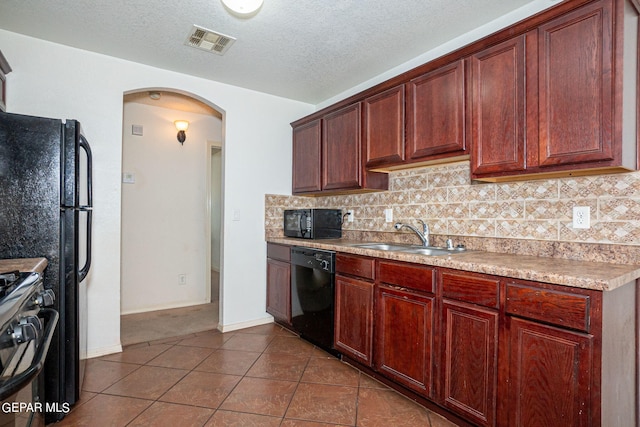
<point x="424" y="235"/>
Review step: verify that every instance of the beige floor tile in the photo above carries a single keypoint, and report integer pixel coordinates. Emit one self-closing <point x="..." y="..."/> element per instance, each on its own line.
<point x="330" y="371"/>
<point x="260" y="396"/>
<point x="113" y="411"/>
<point x="279" y="366"/>
<point x="100" y="374"/>
<point x="147" y="382"/>
<point x="180" y="357"/>
<point x="324" y="403"/>
<point x="202" y="389"/>
<point x="238" y="419"/>
<point x="383" y="408"/>
<point x="162" y="414"/>
<point x="229" y="362"/>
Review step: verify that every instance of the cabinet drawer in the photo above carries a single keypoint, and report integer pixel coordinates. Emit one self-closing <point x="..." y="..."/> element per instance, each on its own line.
<point x="354" y="265"/>
<point x="473" y="288"/>
<point x="279" y="252"/>
<point x="412" y="276"/>
<point x="547" y="305"/>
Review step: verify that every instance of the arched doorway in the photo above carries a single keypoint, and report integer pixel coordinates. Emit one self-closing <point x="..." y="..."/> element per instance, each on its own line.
<point x="166" y="215"/>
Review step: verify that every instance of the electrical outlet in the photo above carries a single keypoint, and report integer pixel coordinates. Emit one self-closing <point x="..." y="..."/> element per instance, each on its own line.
<point x="581" y="217"/>
<point x="350" y="215"/>
<point x="388" y="215"/>
<point x="182" y="279"/>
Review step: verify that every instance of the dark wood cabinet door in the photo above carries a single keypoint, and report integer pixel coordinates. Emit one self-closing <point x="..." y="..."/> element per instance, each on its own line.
<point x="279" y="290"/>
<point x="575" y="87"/>
<point x="470" y="361"/>
<point x="550" y="376"/>
<point x="435" y="113"/>
<point x="307" y="157"/>
<point x="498" y="110"/>
<point x="404" y="338"/>
<point x="341" y="149"/>
<point x="354" y="319"/>
<point x="383" y="126"/>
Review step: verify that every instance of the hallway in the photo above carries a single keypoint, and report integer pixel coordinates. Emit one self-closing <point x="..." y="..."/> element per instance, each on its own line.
<point x="155" y="325"/>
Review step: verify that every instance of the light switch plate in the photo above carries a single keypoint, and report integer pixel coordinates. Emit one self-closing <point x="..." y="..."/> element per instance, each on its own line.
<point x="136" y="130"/>
<point x="388" y="215"/>
<point x="128" y="177"/>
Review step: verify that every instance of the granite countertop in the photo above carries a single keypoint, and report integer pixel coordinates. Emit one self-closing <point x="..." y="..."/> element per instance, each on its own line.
<point x="580" y="274"/>
<point x="23" y="264"/>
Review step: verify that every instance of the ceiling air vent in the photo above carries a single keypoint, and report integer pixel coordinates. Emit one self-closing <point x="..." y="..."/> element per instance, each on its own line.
<point x="208" y="40"/>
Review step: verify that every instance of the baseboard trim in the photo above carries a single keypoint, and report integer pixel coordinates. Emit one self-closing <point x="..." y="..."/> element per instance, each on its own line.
<point x="103" y="351"/>
<point x="242" y="325"/>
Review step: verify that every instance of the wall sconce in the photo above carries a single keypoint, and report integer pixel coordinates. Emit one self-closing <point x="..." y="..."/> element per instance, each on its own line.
<point x="242" y="8"/>
<point x="181" y="125"/>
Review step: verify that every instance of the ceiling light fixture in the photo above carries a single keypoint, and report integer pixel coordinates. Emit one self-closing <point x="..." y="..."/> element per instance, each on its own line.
<point x="182" y="126"/>
<point x="243" y="8"/>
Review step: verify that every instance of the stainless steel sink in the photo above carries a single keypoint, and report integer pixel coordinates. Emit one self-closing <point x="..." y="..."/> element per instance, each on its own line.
<point x="412" y="249"/>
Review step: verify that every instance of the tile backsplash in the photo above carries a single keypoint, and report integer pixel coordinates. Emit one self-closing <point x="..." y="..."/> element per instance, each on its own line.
<point x="454" y="206"/>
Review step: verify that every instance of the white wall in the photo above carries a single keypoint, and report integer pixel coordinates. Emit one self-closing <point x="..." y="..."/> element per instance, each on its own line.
<point x="164" y="212"/>
<point x="57" y="81"/>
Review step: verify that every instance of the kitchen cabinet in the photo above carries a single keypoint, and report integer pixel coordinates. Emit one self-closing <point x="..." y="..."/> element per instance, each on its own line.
<point x="491" y="350"/>
<point x="436" y="113"/>
<point x="550" y="102"/>
<point x="550" y="375"/>
<point x="341" y="149"/>
<point x="469" y="337"/>
<point x="307" y="153"/>
<point x="498" y="113"/>
<point x="327" y="155"/>
<point x="384" y="127"/>
<point x="551" y="357"/>
<point x="405" y="320"/>
<point x="4" y="70"/>
<point x="354" y="307"/>
<point x="279" y="282"/>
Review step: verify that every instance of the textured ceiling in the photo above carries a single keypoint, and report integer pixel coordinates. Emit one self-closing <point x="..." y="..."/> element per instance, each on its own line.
<point x="307" y="50"/>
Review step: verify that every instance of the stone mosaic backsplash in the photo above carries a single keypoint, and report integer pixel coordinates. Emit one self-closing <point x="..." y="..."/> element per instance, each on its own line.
<point x="454" y="206"/>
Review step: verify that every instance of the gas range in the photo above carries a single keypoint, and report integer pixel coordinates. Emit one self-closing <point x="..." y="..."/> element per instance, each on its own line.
<point x="26" y="330"/>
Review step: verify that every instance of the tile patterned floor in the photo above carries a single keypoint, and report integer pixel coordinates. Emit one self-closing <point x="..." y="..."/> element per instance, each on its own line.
<point x="261" y="376"/>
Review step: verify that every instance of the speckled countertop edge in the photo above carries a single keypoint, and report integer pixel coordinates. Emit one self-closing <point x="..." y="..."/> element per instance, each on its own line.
<point x="23" y="264"/>
<point x="579" y="274"/>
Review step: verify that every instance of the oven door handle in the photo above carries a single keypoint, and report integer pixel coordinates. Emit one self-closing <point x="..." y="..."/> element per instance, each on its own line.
<point x="16" y="383"/>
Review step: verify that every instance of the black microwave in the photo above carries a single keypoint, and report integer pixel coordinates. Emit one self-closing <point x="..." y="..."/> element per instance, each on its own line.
<point x="313" y="223"/>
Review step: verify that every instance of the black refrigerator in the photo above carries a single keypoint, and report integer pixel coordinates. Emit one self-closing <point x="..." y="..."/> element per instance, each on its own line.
<point x="46" y="211"/>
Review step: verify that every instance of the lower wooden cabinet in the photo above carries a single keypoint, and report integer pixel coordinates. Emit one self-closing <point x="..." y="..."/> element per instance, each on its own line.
<point x="353" y="332"/>
<point x="404" y="337"/>
<point x="550" y="376"/>
<point x="491" y="350"/>
<point x="279" y="282"/>
<point x="470" y="361"/>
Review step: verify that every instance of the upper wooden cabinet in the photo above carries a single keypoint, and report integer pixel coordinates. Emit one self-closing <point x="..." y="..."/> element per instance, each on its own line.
<point x="552" y="95"/>
<point x="307" y="153"/>
<point x="436" y="113"/>
<point x="341" y="149"/>
<point x="384" y="127"/>
<point x="327" y="155"/>
<point x="498" y="113"/>
<point x="560" y="99"/>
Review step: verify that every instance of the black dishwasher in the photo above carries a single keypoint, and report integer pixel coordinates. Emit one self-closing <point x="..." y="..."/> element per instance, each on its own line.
<point x="313" y="294"/>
